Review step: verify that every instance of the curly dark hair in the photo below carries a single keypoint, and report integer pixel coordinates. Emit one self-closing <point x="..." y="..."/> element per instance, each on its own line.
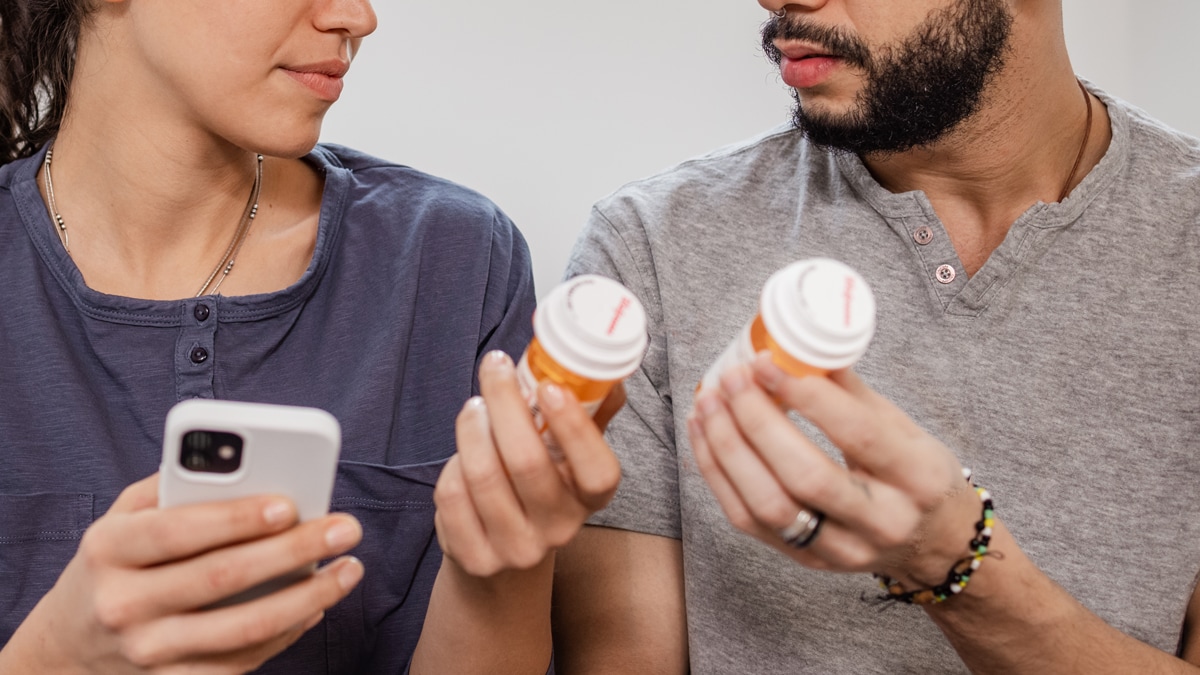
<point x="38" y="40"/>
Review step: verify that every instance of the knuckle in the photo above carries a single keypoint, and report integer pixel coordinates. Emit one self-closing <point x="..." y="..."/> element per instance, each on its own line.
<point x="526" y="466"/>
<point x="140" y="652"/>
<point x="93" y="547"/>
<point x="721" y="440"/>
<point x="478" y="563"/>
<point x="223" y="575"/>
<point x="602" y="478"/>
<point x="895" y="538"/>
<point x="820" y="491"/>
<point x="246" y="516"/>
<point x="482" y="478"/>
<point x="257" y="630"/>
<point x="114" y="610"/>
<point x="774" y="511"/>
<point x="449" y="492"/>
<point x="895" y="531"/>
<point x="801" y="394"/>
<point x="527" y="556"/>
<point x="308" y="546"/>
<point x="576" y="426"/>
<point x="904" y="528"/>
<point x="595" y="502"/>
<point x="863" y="437"/>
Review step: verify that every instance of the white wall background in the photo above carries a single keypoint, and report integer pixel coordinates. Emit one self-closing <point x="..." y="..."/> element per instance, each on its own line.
<point x="546" y="107"/>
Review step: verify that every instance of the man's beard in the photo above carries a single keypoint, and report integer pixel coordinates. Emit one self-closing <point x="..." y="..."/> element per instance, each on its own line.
<point x="916" y="92"/>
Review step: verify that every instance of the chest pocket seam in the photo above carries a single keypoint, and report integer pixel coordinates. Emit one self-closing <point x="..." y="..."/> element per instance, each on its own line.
<point x="68" y="515"/>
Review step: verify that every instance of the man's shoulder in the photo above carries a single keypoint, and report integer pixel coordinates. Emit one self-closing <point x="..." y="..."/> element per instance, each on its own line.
<point x="732" y="172"/>
<point x="1152" y="143"/>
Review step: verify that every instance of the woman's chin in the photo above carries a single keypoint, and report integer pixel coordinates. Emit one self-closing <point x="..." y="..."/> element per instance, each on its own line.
<point x="287" y="146"/>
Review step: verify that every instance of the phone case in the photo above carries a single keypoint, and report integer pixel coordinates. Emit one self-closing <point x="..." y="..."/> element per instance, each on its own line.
<point x="287" y="450"/>
<point x="290" y="451"/>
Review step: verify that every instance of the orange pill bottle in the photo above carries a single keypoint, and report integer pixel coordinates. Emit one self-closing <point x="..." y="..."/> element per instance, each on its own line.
<point x="815" y="316"/>
<point x="589" y="334"/>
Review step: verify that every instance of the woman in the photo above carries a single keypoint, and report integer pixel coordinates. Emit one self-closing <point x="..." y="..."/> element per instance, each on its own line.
<point x="169" y="230"/>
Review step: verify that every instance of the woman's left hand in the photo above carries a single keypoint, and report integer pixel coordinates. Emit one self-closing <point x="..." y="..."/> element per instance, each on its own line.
<point x="899" y="506"/>
<point x="502" y="502"/>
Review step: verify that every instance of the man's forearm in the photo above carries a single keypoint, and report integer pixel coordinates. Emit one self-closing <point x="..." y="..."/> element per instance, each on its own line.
<point x="1013" y="619"/>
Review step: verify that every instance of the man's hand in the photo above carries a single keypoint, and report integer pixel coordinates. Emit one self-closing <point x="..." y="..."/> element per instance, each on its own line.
<point x="134" y="597"/>
<point x="899" y="507"/>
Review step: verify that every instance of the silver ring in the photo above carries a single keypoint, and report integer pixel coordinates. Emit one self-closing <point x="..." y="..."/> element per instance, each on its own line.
<point x="803" y="529"/>
<point x="780" y="13"/>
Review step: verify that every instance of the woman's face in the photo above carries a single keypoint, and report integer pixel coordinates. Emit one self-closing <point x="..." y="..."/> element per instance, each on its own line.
<point x="258" y="73"/>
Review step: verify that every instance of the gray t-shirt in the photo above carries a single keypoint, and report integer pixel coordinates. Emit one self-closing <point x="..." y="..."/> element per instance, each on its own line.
<point x="1064" y="372"/>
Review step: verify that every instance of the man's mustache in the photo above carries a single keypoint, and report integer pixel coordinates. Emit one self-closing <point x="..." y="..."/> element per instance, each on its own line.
<point x="835" y="41"/>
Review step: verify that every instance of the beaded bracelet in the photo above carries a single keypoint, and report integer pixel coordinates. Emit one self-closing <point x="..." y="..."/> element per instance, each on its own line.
<point x="960" y="573"/>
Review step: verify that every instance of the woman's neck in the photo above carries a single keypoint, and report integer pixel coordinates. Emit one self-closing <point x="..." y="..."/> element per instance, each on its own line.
<point x="151" y="200"/>
<point x="143" y="211"/>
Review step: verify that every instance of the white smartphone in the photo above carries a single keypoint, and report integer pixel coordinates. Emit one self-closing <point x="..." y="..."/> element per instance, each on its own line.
<point x="222" y="450"/>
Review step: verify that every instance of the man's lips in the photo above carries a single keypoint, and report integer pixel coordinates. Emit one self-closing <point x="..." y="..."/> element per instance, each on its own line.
<point x="800" y="50"/>
<point x="805" y="66"/>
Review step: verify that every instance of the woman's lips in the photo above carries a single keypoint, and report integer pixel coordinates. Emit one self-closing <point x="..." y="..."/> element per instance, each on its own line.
<point x="326" y="87"/>
<point x="808" y="71"/>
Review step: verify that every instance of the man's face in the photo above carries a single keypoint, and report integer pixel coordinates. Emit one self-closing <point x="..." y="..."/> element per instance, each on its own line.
<point x="884" y="76"/>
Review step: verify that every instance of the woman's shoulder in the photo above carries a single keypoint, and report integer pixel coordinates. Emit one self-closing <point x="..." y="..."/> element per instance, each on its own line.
<point x="388" y="211"/>
<point x="395" y="190"/>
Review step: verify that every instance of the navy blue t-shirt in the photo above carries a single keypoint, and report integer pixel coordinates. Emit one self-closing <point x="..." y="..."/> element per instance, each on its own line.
<point x="413" y="279"/>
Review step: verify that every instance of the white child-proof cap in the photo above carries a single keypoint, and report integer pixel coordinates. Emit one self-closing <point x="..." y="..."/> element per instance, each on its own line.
<point x="820" y="311"/>
<point x="594" y="327"/>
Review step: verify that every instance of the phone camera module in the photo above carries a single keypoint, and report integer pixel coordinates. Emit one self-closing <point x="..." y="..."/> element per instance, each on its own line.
<point x="211" y="451"/>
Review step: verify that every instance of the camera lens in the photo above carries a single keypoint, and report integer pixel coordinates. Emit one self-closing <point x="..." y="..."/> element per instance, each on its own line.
<point x="211" y="451"/>
<point x="195" y="461"/>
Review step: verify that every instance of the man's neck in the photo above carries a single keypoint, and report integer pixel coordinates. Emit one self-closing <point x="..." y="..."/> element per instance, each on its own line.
<point x="1016" y="151"/>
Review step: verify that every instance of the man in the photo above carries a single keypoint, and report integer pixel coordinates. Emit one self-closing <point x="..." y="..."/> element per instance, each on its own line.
<point x="1032" y="244"/>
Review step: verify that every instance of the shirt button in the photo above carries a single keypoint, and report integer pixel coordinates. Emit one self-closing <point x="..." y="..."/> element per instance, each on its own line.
<point x="201" y="313"/>
<point x="945" y="274"/>
<point x="199" y="355"/>
<point x="923" y="235"/>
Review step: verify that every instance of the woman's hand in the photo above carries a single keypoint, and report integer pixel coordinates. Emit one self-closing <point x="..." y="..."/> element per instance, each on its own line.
<point x="133" y="598"/>
<point x="502" y="502"/>
<point x="899" y="507"/>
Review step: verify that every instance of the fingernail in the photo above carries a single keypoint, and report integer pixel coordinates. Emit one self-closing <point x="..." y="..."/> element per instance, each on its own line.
<point x="314" y="621"/>
<point x="552" y="396"/>
<point x="343" y="534"/>
<point x="350" y="574"/>
<point x="694" y="428"/>
<point x="277" y="512"/>
<point x="734" y="381"/>
<point x="475" y="403"/>
<point x="499" y="361"/>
